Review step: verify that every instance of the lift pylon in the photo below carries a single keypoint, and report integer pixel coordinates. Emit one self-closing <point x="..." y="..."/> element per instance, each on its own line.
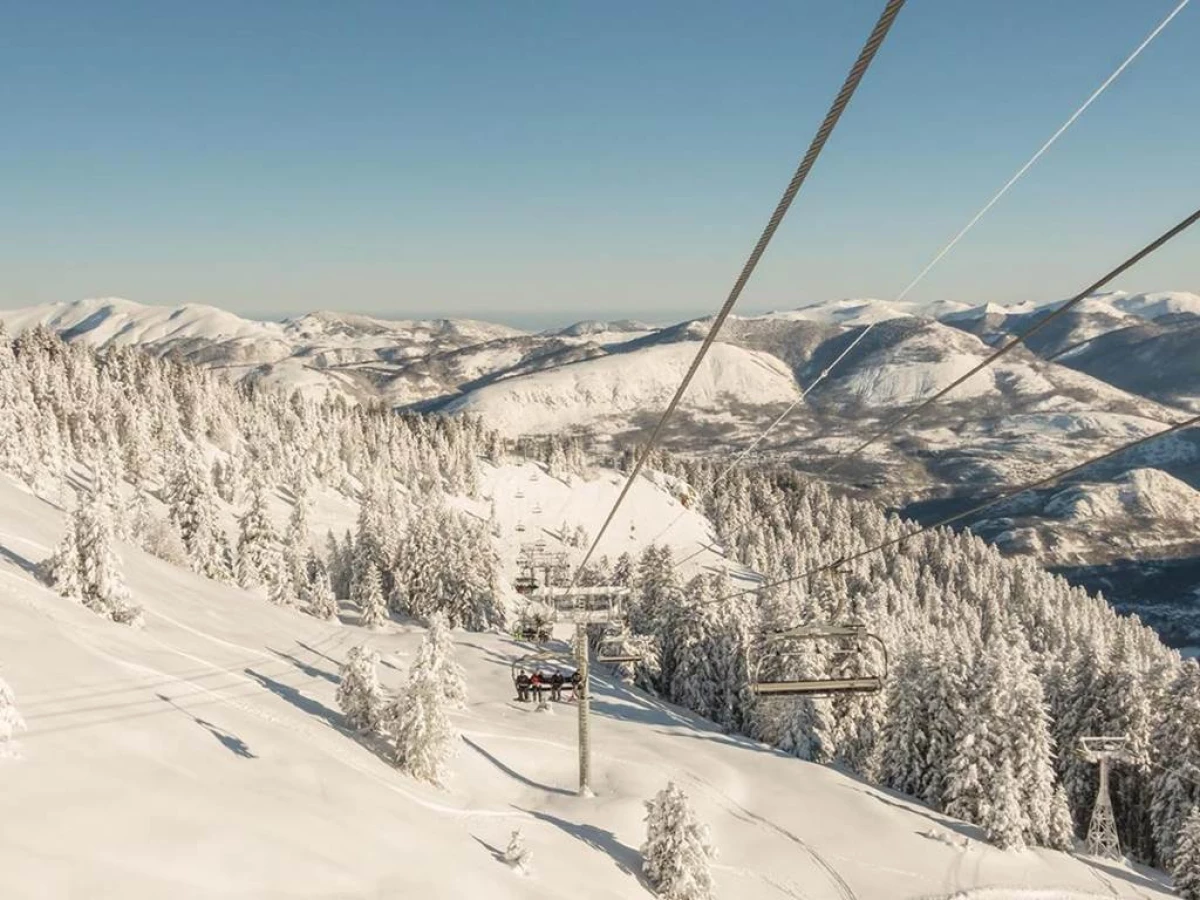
<point x="1102" y="839"/>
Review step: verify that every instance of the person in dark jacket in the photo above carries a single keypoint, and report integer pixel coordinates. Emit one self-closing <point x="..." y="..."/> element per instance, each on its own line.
<point x="523" y="684"/>
<point x="576" y="682"/>
<point x="556" y="683"/>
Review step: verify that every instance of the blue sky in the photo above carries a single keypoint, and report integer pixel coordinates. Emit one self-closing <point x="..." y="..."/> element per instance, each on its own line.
<point x="538" y="162"/>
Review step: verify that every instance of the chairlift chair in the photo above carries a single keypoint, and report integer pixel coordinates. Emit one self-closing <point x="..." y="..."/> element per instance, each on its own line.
<point x="822" y="686"/>
<point x="612" y="651"/>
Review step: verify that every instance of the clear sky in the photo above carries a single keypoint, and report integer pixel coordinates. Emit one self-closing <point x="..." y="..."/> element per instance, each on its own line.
<point x="558" y="160"/>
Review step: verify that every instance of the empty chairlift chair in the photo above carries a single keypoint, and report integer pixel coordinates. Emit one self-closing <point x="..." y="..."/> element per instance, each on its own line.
<point x="616" y="651"/>
<point x="850" y="644"/>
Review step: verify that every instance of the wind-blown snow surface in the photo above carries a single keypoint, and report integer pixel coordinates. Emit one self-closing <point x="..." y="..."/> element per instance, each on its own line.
<point x="202" y="756"/>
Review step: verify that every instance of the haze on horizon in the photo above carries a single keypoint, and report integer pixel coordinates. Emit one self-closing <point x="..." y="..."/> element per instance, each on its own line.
<point x="544" y="166"/>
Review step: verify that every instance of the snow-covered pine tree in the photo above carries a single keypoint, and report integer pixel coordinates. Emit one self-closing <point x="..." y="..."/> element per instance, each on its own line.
<point x="1185" y="870"/>
<point x="517" y="854"/>
<point x="317" y="596"/>
<point x="688" y="644"/>
<point x="358" y="695"/>
<point x="61" y="569"/>
<point x="257" y="545"/>
<point x="1062" y="826"/>
<point x="10" y="721"/>
<point x="1003" y="820"/>
<point x="297" y="543"/>
<point x="417" y="721"/>
<point x="101" y="583"/>
<point x="1176" y="784"/>
<point x="367" y="593"/>
<point x="678" y="850"/>
<point x="191" y="503"/>
<point x="452" y="675"/>
<point x="280" y="584"/>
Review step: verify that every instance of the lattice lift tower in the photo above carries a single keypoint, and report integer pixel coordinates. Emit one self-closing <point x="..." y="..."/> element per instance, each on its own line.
<point x="1102" y="837"/>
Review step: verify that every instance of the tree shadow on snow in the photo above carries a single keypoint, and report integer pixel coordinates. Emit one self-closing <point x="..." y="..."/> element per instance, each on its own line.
<point x="1129" y="875"/>
<point x="497" y="855"/>
<point x="627" y="859"/>
<point x="18" y="560"/>
<point x="914" y="806"/>
<point x="307" y="668"/>
<point x="729" y="740"/>
<point x="229" y="740"/>
<point x="513" y="773"/>
<point x="490" y="654"/>
<point x="298" y="700"/>
<point x="315" y="652"/>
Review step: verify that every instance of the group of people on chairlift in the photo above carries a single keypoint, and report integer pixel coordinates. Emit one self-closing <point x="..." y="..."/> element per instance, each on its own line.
<point x="552" y="683"/>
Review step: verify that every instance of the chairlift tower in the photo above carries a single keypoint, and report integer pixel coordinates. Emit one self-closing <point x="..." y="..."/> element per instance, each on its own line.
<point x="1102" y="837"/>
<point x="584" y="606"/>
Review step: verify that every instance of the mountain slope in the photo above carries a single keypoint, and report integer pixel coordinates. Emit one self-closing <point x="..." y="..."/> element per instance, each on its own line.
<point x="202" y="756"/>
<point x="1119" y="367"/>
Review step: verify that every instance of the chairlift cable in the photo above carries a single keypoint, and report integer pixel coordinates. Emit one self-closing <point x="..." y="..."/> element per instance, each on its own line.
<point x="1002" y="497"/>
<point x="1019" y="339"/>
<point x="849" y="86"/>
<point x="937" y="258"/>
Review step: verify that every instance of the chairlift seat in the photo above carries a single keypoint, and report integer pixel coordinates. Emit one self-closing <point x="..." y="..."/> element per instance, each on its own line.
<point x="817" y="687"/>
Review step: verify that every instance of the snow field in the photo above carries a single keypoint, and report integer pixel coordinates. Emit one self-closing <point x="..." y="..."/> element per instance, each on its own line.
<point x="202" y="756"/>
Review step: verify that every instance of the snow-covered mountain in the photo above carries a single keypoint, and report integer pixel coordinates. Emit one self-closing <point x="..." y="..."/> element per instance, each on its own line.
<point x="1118" y="367"/>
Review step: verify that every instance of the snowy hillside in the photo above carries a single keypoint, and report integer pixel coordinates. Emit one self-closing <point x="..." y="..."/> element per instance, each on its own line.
<point x="1118" y="367"/>
<point x="620" y="387"/>
<point x="203" y="756"/>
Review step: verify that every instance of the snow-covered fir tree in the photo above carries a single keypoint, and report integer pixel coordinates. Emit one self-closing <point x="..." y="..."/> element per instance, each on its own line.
<point x="61" y="570"/>
<point x="85" y="567"/>
<point x="102" y="583"/>
<point x="10" y="721"/>
<point x="517" y="854"/>
<point x="281" y="584"/>
<point x="359" y="696"/>
<point x="192" y="506"/>
<point x="317" y="592"/>
<point x="297" y="543"/>
<point x="257" y="544"/>
<point x="452" y="676"/>
<point x="1185" y="869"/>
<point x="1062" y="826"/>
<point x="418" y="722"/>
<point x="678" y="852"/>
<point x="367" y="594"/>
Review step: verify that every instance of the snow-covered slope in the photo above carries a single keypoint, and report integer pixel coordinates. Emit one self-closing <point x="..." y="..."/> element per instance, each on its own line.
<point x="1118" y="367"/>
<point x="202" y="757"/>
<point x="867" y="311"/>
<point x="626" y="385"/>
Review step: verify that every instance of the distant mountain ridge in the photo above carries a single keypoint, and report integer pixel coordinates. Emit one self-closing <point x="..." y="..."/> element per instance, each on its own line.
<point x="1117" y="367"/>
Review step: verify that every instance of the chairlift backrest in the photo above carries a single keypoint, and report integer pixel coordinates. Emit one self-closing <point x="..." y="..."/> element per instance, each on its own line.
<point x="823" y="685"/>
